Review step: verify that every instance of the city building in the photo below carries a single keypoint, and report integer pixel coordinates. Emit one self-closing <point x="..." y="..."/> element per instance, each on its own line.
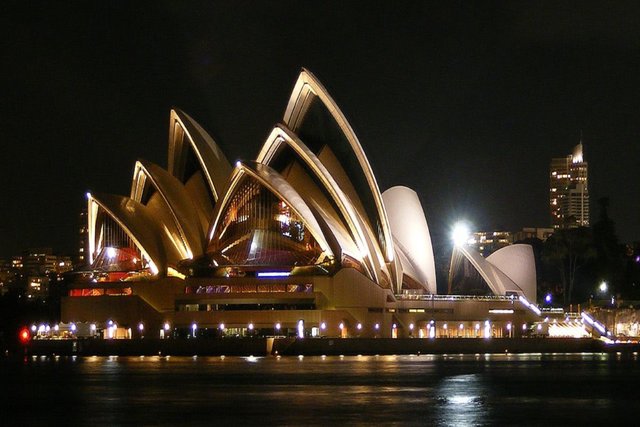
<point x="17" y="263"/>
<point x="39" y="261"/>
<point x="569" y="190"/>
<point x="487" y="242"/>
<point x="37" y="287"/>
<point x="6" y="276"/>
<point x="34" y="272"/>
<point x="83" y="240"/>
<point x="540" y="233"/>
<point x="300" y="241"/>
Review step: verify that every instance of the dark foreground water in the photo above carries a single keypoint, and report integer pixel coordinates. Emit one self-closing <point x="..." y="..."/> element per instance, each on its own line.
<point x="529" y="389"/>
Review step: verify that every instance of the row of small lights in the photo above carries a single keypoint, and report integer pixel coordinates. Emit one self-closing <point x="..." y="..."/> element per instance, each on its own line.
<point x="56" y="328"/>
<point x="359" y="326"/>
<point x="250" y="326"/>
<point x="112" y="326"/>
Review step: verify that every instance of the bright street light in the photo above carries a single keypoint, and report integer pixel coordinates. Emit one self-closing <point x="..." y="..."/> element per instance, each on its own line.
<point x="603" y="287"/>
<point x="460" y="234"/>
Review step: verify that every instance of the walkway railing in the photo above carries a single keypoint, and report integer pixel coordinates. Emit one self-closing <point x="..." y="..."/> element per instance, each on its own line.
<point x="427" y="297"/>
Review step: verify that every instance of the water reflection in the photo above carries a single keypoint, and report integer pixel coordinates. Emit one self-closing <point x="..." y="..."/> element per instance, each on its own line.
<point x="496" y="389"/>
<point x="462" y="401"/>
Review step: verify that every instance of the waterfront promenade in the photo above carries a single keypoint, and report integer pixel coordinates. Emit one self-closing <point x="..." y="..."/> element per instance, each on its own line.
<point x="317" y="346"/>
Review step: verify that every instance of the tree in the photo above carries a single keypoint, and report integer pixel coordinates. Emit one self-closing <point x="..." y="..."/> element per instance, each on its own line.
<point x="609" y="261"/>
<point x="569" y="250"/>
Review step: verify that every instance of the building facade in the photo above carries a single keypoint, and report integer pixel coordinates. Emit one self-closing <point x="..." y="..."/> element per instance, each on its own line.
<point x="487" y="242"/>
<point x="300" y="241"/>
<point x="569" y="190"/>
<point x="81" y="259"/>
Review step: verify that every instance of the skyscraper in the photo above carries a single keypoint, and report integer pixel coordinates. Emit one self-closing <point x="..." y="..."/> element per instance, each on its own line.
<point x="83" y="241"/>
<point x="569" y="191"/>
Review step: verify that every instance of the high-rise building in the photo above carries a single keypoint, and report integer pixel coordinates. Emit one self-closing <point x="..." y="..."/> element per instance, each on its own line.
<point x="39" y="261"/>
<point x="569" y="190"/>
<point x="487" y="242"/>
<point x="82" y="259"/>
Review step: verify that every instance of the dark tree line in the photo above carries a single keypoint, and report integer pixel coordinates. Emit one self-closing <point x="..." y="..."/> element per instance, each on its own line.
<point x="572" y="263"/>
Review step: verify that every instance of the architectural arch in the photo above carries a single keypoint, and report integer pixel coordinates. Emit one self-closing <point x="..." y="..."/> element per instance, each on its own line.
<point x="130" y="218"/>
<point x="197" y="162"/>
<point x="315" y="117"/>
<point x="183" y="229"/>
<point x="261" y="211"/>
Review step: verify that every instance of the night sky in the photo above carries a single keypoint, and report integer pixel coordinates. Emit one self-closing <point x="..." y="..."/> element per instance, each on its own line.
<point x="466" y="102"/>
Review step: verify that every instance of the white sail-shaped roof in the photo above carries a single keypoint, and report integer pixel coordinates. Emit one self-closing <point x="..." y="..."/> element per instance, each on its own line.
<point x="196" y="161"/>
<point x="316" y="118"/>
<point x="213" y="162"/>
<point x="355" y="242"/>
<point x="496" y="278"/>
<point x="518" y="263"/>
<point x="175" y="210"/>
<point x="411" y="232"/>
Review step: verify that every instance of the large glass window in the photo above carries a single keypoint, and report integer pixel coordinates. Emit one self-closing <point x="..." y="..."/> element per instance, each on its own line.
<point x="258" y="228"/>
<point x="117" y="255"/>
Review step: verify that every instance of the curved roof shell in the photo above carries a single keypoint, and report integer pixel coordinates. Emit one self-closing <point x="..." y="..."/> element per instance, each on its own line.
<point x="277" y="185"/>
<point x="518" y="263"/>
<point x="315" y="117"/>
<point x="312" y="162"/>
<point x="136" y="221"/>
<point x="498" y="280"/>
<point x="360" y="246"/>
<point x="185" y="233"/>
<point x="187" y="138"/>
<point x="411" y="233"/>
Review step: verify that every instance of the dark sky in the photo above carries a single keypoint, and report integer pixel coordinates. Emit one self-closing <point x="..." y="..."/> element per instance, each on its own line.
<point x="465" y="102"/>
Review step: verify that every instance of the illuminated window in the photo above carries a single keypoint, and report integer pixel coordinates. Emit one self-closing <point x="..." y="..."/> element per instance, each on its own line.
<point x="258" y="228"/>
<point x="117" y="252"/>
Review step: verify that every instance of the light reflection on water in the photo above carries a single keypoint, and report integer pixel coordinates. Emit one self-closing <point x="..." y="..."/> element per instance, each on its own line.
<point x="456" y="390"/>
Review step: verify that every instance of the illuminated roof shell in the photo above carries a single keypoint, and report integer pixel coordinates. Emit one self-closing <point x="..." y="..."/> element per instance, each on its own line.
<point x="278" y="186"/>
<point x="360" y="246"/>
<point x="307" y="89"/>
<point x="499" y="282"/>
<point x="411" y="233"/>
<point x="185" y="220"/>
<point x="136" y="220"/>
<point x="349" y="216"/>
<point x="518" y="263"/>
<point x="213" y="161"/>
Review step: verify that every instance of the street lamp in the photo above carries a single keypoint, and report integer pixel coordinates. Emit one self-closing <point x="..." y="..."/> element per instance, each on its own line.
<point x="603" y="287"/>
<point x="460" y="233"/>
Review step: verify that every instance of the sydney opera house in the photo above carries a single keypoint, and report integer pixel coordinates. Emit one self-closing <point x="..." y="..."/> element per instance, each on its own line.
<point x="300" y="241"/>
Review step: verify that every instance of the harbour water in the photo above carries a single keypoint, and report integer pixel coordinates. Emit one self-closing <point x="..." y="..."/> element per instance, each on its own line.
<point x="456" y="390"/>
